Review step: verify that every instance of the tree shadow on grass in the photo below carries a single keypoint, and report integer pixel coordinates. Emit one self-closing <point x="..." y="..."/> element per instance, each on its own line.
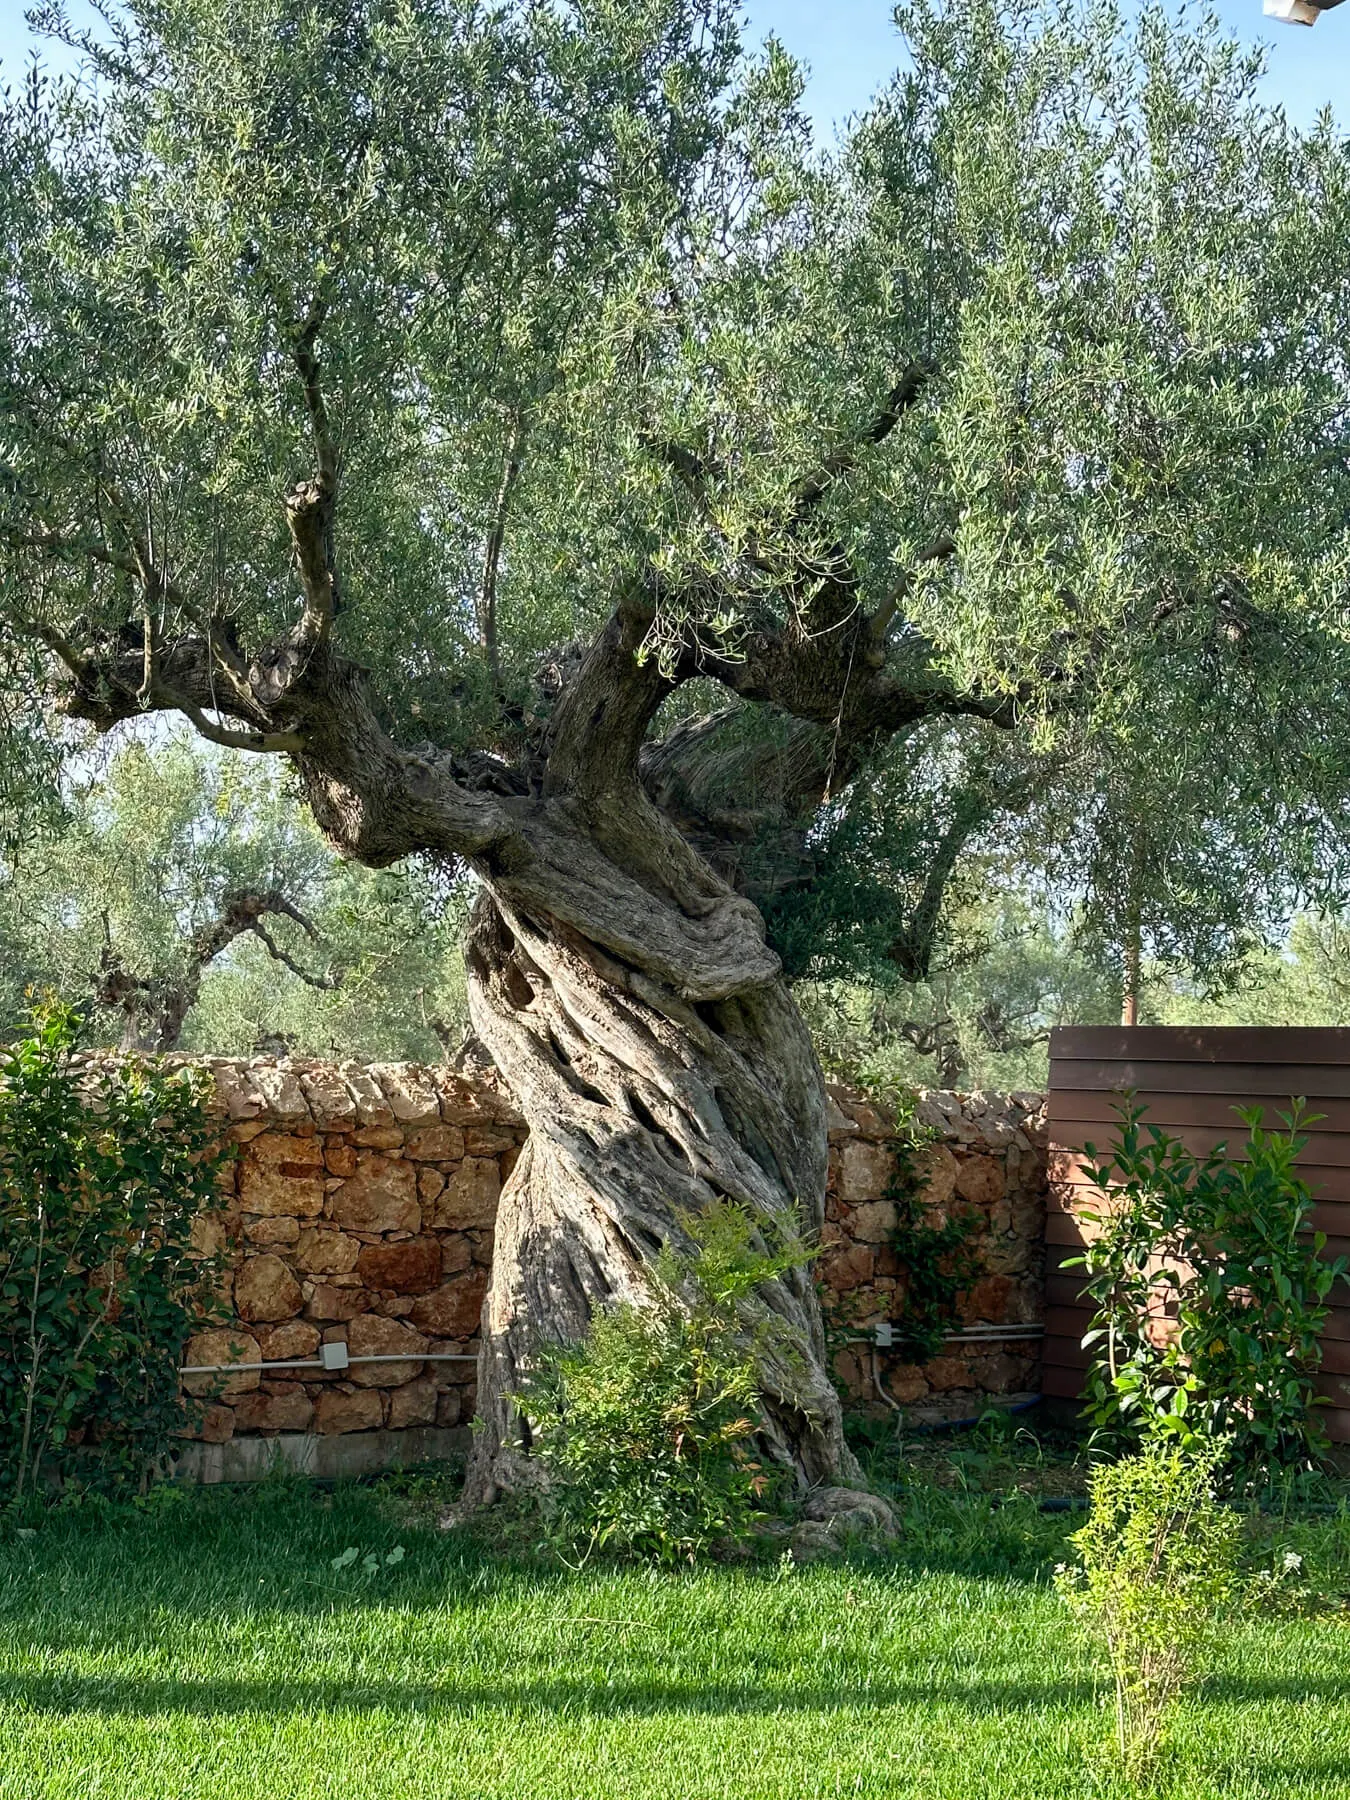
<point x="642" y="1697"/>
<point x="64" y="1694"/>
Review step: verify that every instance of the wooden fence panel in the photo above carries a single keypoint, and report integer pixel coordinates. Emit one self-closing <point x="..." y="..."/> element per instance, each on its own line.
<point x="1190" y="1080"/>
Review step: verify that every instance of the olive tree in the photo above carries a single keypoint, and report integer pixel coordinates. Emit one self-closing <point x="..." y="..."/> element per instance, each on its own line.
<point x="183" y="900"/>
<point x="505" y="414"/>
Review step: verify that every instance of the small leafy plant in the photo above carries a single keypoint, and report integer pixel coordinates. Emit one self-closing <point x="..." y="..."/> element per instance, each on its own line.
<point x="1157" y="1572"/>
<point x="103" y="1173"/>
<point x="646" y="1428"/>
<point x="1210" y="1294"/>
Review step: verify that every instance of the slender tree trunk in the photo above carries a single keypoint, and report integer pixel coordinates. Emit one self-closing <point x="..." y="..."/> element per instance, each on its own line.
<point x="1129" y="1008"/>
<point x="643" y="1105"/>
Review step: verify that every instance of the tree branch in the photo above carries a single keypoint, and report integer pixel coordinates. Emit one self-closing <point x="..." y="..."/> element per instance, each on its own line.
<point x="487" y="599"/>
<point x="312" y="505"/>
<point x="812" y="488"/>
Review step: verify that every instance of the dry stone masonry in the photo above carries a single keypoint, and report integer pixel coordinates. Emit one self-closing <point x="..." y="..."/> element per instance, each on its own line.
<point x="985" y="1161"/>
<point x="360" y="1209"/>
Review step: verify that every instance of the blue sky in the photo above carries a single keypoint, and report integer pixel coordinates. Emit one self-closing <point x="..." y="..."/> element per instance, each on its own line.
<point x="850" y="46"/>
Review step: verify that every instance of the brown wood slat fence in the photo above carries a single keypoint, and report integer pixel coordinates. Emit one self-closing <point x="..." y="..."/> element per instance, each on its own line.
<point x="1190" y="1080"/>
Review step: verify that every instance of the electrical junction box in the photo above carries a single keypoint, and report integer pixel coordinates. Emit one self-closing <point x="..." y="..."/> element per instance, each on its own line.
<point x="884" y="1334"/>
<point x="333" y="1356"/>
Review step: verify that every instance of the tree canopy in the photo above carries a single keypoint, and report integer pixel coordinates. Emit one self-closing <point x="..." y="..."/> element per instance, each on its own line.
<point x="443" y="334"/>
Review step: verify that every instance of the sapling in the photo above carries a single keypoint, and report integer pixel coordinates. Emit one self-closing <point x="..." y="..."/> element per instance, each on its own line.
<point x="1157" y="1573"/>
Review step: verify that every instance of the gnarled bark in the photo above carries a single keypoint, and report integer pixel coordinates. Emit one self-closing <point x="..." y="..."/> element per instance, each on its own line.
<point x="644" y="1105"/>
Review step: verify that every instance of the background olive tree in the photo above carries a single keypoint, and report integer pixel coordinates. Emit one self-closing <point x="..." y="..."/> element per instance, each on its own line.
<point x="185" y="902"/>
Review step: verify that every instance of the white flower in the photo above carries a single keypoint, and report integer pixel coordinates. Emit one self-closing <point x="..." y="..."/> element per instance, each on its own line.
<point x="1293" y="1562"/>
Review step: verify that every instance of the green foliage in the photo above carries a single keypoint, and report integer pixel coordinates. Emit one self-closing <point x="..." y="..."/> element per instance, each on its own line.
<point x="1210" y="1293"/>
<point x="102" y="1176"/>
<point x="1007" y="967"/>
<point x="1159" y="1565"/>
<point x="647" y="1426"/>
<point x="938" y="1264"/>
<point x="153" y="846"/>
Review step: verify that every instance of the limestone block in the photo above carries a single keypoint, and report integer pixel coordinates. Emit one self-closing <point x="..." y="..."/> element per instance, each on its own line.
<point x="489" y="1140"/>
<point x="245" y="1130"/>
<point x="482" y="1248"/>
<point x="455" y="1309"/>
<point x="471" y="1102"/>
<point x="935" y="1171"/>
<point x="410" y="1267"/>
<point x="414" y="1404"/>
<point x="208" y="1348"/>
<point x="326" y="1252"/>
<point x="470" y="1195"/>
<point x="250" y="1410"/>
<point x="371" y="1335"/>
<point x="337" y="1410"/>
<point x="409" y="1093"/>
<point x="367" y="1095"/>
<point x="987" y="1300"/>
<point x="429" y="1184"/>
<point x="282" y="1175"/>
<point x="289" y="1412"/>
<point x="331" y="1102"/>
<point x="330" y="1304"/>
<point x="945" y="1373"/>
<point x="837" y="1120"/>
<point x="286" y="1343"/>
<point x="273" y="1230"/>
<point x="457" y="1252"/>
<point x="242" y="1097"/>
<point x="435" y="1143"/>
<point x="906" y="1382"/>
<point x="265" y="1289"/>
<point x="845" y="1270"/>
<point x="216" y="1425"/>
<point x="207" y="1234"/>
<point x="874" y="1221"/>
<point x="1006" y="1256"/>
<point x="864" y="1170"/>
<point x="381" y="1196"/>
<point x="283" y="1094"/>
<point x="379" y="1137"/>
<point x="980" y="1180"/>
<point x="339" y="1156"/>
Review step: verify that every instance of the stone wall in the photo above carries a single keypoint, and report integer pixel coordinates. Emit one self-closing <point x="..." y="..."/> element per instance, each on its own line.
<point x="361" y="1204"/>
<point x="986" y="1162"/>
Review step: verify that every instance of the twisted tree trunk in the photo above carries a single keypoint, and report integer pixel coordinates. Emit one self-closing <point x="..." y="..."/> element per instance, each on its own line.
<point x="644" y="1104"/>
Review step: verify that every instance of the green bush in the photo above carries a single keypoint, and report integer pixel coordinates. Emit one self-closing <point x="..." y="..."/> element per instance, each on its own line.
<point x="1217" y="1251"/>
<point x="102" y="1173"/>
<point x="1159" y="1560"/>
<point x="646" y="1427"/>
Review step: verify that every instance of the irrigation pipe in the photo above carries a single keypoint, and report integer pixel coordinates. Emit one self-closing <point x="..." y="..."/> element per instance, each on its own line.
<point x="331" y="1356"/>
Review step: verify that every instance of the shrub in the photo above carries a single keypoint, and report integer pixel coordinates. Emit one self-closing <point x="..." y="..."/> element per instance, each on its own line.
<point x="1159" y="1567"/>
<point x="102" y="1173"/>
<point x="1210" y="1295"/>
<point x="646" y="1427"/>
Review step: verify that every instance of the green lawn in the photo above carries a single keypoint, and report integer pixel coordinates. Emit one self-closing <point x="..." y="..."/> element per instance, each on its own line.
<point x="207" y="1648"/>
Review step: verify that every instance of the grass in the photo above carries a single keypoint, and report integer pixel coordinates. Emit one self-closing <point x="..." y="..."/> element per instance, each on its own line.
<point x="206" y="1649"/>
